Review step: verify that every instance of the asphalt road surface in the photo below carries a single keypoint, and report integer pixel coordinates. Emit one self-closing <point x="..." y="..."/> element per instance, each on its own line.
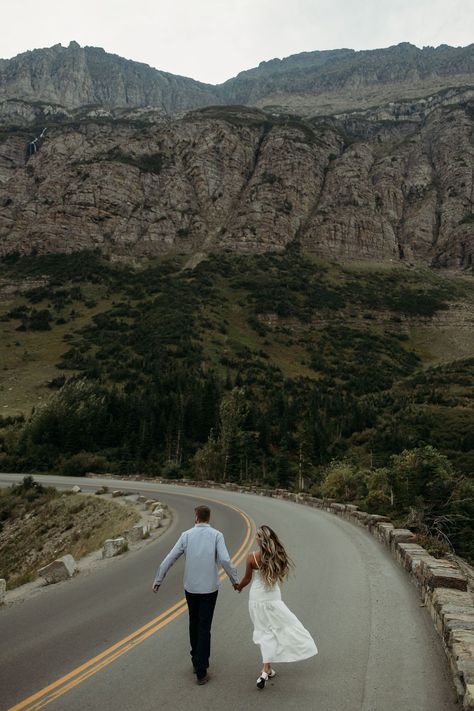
<point x="103" y="640"/>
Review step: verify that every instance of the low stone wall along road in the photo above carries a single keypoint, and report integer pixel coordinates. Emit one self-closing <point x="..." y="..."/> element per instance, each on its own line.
<point x="105" y="641"/>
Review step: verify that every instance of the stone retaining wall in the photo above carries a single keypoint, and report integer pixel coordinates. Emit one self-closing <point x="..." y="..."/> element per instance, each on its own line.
<point x="442" y="583"/>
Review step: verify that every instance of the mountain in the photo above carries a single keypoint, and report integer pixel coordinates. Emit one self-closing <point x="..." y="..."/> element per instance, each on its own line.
<point x="125" y="166"/>
<point x="341" y="80"/>
<point x="76" y="76"/>
<point x="306" y="83"/>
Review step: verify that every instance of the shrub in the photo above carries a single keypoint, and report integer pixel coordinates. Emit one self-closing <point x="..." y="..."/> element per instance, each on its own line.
<point x="83" y="462"/>
<point x="343" y="481"/>
<point x="28" y="489"/>
<point x="172" y="470"/>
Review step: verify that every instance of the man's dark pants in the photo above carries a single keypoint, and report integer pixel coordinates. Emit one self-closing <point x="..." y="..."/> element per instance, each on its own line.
<point x="201" y="610"/>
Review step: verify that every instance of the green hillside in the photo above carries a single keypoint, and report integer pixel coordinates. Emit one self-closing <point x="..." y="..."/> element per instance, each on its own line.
<point x="259" y="368"/>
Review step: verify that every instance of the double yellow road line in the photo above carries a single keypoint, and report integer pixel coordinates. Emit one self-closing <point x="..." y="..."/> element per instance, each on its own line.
<point x="61" y="686"/>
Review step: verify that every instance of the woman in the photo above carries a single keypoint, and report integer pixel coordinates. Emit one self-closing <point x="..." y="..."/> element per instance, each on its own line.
<point x="281" y="636"/>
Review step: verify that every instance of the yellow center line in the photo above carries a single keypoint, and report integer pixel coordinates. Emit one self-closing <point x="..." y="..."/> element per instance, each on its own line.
<point x="67" y="682"/>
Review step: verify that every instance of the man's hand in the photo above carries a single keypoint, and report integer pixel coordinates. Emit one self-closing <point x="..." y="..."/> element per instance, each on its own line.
<point x="237" y="587"/>
<point x="156" y="587"/>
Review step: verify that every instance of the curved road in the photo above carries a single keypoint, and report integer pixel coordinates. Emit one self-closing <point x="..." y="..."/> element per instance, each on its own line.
<point x="104" y="641"/>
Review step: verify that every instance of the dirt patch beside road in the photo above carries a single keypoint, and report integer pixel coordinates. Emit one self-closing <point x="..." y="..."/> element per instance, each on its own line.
<point x="39" y="524"/>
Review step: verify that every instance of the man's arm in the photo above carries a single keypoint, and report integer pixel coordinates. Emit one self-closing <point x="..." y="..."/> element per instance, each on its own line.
<point x="177" y="551"/>
<point x="223" y="558"/>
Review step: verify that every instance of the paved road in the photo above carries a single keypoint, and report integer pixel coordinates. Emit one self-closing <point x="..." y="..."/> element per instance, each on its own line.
<point x="378" y="648"/>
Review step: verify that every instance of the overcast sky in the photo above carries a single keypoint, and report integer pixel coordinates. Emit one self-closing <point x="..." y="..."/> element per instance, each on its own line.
<point x="212" y="40"/>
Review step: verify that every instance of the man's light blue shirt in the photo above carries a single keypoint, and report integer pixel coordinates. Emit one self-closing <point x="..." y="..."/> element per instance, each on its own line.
<point x="204" y="548"/>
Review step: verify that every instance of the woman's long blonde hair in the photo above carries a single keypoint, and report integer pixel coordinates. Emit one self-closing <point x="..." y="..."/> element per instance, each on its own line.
<point x="275" y="563"/>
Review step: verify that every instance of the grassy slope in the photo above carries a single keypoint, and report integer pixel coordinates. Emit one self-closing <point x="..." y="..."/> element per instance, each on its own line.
<point x="51" y="526"/>
<point x="29" y="359"/>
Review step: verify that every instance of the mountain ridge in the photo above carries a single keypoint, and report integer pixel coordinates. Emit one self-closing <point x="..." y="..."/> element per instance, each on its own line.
<point x="74" y="76"/>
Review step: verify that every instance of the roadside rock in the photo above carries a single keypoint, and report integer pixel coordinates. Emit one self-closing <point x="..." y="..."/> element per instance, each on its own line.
<point x="60" y="569"/>
<point x="401" y="535"/>
<point x="113" y="547"/>
<point x="137" y="533"/>
<point x="76" y="489"/>
<point x="382" y="531"/>
<point x="410" y="555"/>
<point x="154" y="522"/>
<point x="440" y="573"/>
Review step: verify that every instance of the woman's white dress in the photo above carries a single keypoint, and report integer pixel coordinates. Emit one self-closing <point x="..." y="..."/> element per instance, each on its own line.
<point x="280" y="634"/>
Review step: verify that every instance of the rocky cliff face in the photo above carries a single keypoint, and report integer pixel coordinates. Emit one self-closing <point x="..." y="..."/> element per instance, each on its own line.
<point x="309" y="83"/>
<point x="76" y="76"/>
<point x="364" y="185"/>
<point x="340" y="80"/>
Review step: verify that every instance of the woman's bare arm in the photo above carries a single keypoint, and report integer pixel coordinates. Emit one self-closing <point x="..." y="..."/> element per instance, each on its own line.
<point x="248" y="573"/>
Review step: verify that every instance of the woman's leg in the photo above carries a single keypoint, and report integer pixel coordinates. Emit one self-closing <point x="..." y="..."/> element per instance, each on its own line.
<point x="263" y="678"/>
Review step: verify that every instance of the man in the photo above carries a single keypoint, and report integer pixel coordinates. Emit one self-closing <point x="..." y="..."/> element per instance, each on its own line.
<point x="204" y="548"/>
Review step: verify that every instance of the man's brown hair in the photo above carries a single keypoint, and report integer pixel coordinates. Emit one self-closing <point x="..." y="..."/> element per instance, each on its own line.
<point x="203" y="513"/>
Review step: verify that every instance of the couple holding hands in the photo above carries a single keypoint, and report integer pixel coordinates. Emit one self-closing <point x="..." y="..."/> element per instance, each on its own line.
<point x="278" y="632"/>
